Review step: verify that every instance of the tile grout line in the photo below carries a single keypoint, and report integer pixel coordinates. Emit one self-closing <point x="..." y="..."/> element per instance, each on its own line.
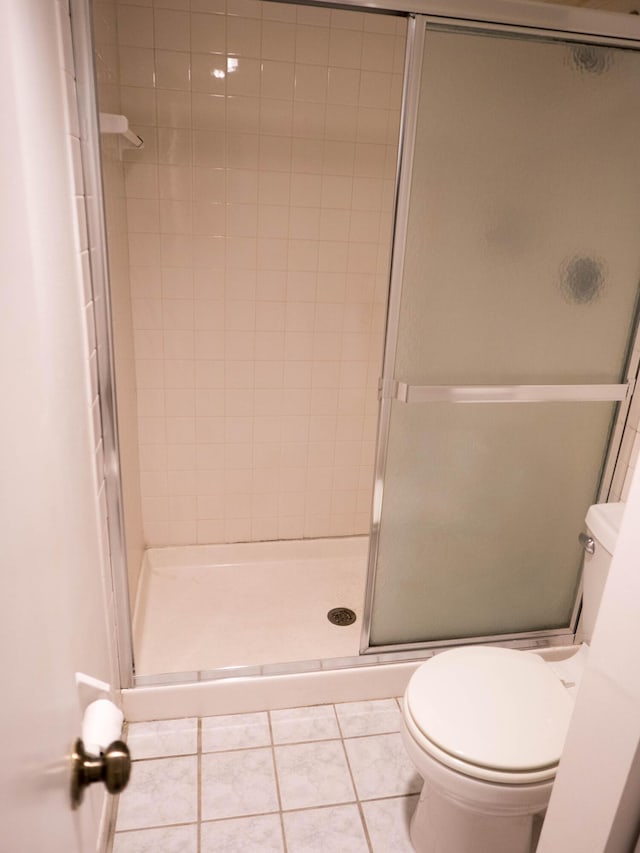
<point x="199" y="788"/>
<point x="363" y="822"/>
<point x="337" y="716"/>
<point x="365" y="827"/>
<point x="164" y="757"/>
<point x="277" y="782"/>
<point x="295" y="810"/>
<point x="131" y="829"/>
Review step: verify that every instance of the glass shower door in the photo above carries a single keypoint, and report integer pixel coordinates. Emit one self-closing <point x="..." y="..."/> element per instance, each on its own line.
<point x="513" y="303"/>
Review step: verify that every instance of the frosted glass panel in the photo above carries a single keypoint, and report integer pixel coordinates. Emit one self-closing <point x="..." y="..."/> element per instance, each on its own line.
<point x="482" y="508"/>
<point x="522" y="259"/>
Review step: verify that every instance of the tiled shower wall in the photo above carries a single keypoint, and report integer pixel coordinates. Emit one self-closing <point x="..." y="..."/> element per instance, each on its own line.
<point x="259" y="218"/>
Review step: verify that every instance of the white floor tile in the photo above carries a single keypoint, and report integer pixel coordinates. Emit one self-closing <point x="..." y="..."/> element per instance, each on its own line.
<point x="174" y="839"/>
<point x="238" y="783"/>
<point x="388" y="823"/>
<point x="161" y="791"/>
<point x="378" y="716"/>
<point x="162" y="738"/>
<point x="261" y="834"/>
<point x="313" y="774"/>
<point x="337" y="829"/>
<point x="381" y="767"/>
<point x="252" y="791"/>
<point x="294" y="725"/>
<point x="235" y="731"/>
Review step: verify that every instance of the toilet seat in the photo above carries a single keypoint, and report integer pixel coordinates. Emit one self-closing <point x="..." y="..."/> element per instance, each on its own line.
<point x="491" y="713"/>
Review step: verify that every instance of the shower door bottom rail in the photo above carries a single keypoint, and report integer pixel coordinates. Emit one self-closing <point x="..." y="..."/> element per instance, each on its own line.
<point x="393" y="389"/>
<point x="542" y="639"/>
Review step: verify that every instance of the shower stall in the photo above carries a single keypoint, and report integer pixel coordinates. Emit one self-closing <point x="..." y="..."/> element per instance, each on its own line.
<point x="368" y="322"/>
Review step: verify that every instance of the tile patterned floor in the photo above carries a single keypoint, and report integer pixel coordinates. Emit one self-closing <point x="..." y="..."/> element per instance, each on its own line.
<point x="324" y="779"/>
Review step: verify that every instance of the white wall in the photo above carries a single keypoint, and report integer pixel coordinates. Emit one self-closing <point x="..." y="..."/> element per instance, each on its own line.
<point x="53" y="549"/>
<point x="595" y="805"/>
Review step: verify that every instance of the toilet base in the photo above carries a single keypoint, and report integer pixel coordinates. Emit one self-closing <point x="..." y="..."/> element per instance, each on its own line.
<point x="440" y="825"/>
<point x="459" y="814"/>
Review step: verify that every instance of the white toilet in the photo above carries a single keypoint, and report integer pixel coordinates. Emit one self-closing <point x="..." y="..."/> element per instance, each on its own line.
<point x="485" y="727"/>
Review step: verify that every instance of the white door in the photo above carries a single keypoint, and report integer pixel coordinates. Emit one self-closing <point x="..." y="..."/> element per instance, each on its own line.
<point x="53" y="620"/>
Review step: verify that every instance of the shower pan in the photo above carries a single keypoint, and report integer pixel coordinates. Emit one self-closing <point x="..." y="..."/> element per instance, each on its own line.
<point x="489" y="226"/>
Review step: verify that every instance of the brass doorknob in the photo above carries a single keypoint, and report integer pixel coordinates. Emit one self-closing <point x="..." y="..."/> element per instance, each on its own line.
<point x="113" y="767"/>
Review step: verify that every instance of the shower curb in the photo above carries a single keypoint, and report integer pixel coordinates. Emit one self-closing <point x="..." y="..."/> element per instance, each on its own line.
<point x="266" y="692"/>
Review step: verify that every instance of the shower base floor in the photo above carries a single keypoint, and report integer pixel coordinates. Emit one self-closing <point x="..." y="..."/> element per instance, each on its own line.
<point x="205" y="607"/>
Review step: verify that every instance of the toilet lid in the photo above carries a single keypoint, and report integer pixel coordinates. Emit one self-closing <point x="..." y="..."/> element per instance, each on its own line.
<point x="491" y="707"/>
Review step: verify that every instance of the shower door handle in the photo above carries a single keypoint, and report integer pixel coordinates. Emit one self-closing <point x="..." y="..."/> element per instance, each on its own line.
<point x="394" y="389"/>
<point x="588" y="543"/>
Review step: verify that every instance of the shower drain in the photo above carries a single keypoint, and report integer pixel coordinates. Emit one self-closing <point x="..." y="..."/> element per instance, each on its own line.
<point x="341" y="616"/>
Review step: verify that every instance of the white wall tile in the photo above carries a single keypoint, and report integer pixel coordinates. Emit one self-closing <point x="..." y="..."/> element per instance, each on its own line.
<point x="245" y="8"/>
<point x="243" y="76"/>
<point x="211" y="6"/>
<point x="208" y="33"/>
<point x="244" y="37"/>
<point x="278" y="12"/>
<point x="254" y="221"/>
<point x="278" y="40"/>
<point x="313" y="16"/>
<point x="277" y="79"/>
<point x="208" y="73"/>
<point x="171" y="30"/>
<point x="312" y="45"/>
<point x="173" y="70"/>
<point x="136" y="66"/>
<point x="168" y="4"/>
<point x="349" y="20"/>
<point x="135" y="26"/>
<point x="311" y="83"/>
<point x="174" y="182"/>
<point x="242" y="114"/>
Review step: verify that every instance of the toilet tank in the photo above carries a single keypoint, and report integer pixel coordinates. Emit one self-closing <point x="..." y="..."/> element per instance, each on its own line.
<point x="603" y="524"/>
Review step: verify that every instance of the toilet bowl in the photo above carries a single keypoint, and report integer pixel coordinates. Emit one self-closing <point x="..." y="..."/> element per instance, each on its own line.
<point x="485" y="727"/>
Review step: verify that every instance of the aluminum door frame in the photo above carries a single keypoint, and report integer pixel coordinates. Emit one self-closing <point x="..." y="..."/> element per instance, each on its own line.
<point x="390" y="388"/>
<point x="86" y="89"/>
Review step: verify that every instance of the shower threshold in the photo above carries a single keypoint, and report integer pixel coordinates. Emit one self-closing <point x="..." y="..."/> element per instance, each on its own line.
<point x="204" y="607"/>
